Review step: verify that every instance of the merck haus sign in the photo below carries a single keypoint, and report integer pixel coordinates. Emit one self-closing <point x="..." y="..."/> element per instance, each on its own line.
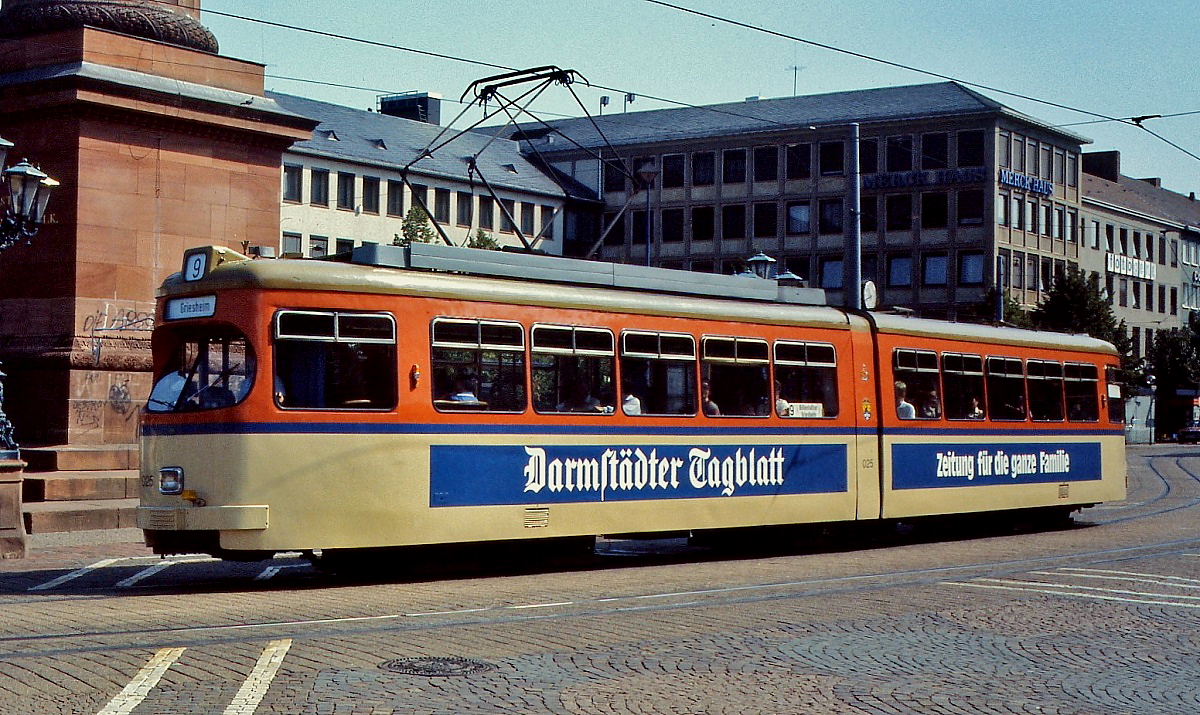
<point x="1025" y="182"/>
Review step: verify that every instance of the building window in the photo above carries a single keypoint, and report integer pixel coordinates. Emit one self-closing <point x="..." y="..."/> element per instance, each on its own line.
<point x="733" y="222"/>
<point x="420" y="196"/>
<point x="703" y="227"/>
<point x="868" y="214"/>
<point x="547" y="223"/>
<point x="868" y="156"/>
<point x="441" y="205"/>
<point x="766" y="163"/>
<point x="1060" y="223"/>
<point x="293" y="179"/>
<point x="970" y="207"/>
<point x="830" y="215"/>
<point x="615" y="172"/>
<point x="798" y="161"/>
<point x="641" y="229"/>
<point x="465" y="203"/>
<point x="672" y="225"/>
<point x="935" y="151"/>
<point x="508" y="215"/>
<point x="1072" y="227"/>
<point x="933" y="269"/>
<point x="970" y="148"/>
<point x="395" y="198"/>
<point x="616" y="232"/>
<point x="1072" y="170"/>
<point x="970" y="268"/>
<point x="1047" y="219"/>
<point x="527" y="219"/>
<point x="1060" y="160"/>
<point x="672" y="171"/>
<point x="899" y="271"/>
<point x="318" y="194"/>
<point x="832" y="158"/>
<point x="344" y="245"/>
<point x="487" y="217"/>
<point x="1018" y="213"/>
<point x="292" y="243"/>
<point x="704" y="172"/>
<point x="831" y="272"/>
<point x="733" y="166"/>
<point x="1018" y="270"/>
<point x="1002" y="209"/>
<point x="318" y="246"/>
<point x="1018" y="154"/>
<point x="898" y="212"/>
<point x="1004" y="149"/>
<point x="799" y="218"/>
<point x="899" y="153"/>
<point x="766" y="221"/>
<point x="935" y="210"/>
<point x="370" y="202"/>
<point x="345" y="191"/>
<point x="1047" y="163"/>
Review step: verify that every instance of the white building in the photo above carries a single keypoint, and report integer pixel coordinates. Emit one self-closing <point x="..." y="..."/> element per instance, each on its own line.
<point x="362" y="171"/>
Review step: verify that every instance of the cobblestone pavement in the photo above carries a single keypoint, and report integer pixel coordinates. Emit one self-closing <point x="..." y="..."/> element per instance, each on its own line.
<point x="1098" y="619"/>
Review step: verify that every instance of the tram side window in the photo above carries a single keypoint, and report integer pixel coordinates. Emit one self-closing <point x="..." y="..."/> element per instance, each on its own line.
<point x="658" y="373"/>
<point x="1045" y="390"/>
<point x="334" y="360"/>
<point x="962" y="380"/>
<point x="205" y="373"/>
<point x="805" y="379"/>
<point x="478" y="365"/>
<point x="573" y="369"/>
<point x="1005" y="388"/>
<point x="917" y="391"/>
<point x="733" y="377"/>
<point x="1116" y="400"/>
<point x="1082" y="381"/>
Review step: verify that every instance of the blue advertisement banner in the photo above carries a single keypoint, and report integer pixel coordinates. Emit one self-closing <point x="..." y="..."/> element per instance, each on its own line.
<point x="487" y="475"/>
<point x="924" y="466"/>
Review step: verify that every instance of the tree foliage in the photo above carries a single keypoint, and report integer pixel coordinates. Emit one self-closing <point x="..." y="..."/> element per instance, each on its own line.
<point x="416" y="228"/>
<point x="1075" y="305"/>
<point x="483" y="239"/>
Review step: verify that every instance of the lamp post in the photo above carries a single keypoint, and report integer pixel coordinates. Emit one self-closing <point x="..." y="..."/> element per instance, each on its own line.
<point x="646" y="175"/>
<point x="27" y="196"/>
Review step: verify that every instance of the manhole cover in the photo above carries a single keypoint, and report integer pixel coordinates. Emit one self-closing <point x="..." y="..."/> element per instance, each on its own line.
<point x="437" y="667"/>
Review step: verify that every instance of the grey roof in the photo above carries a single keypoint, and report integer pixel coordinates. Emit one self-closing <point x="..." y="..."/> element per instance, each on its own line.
<point x="375" y="139"/>
<point x="1146" y="198"/>
<point x="922" y="101"/>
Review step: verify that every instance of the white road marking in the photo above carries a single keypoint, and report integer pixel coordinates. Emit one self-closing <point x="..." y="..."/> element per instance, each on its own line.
<point x="160" y="566"/>
<point x="1062" y="591"/>
<point x="1131" y="576"/>
<point x="541" y="605"/>
<point x="74" y="575"/>
<point x="255" y="688"/>
<point x="271" y="571"/>
<point x="142" y="683"/>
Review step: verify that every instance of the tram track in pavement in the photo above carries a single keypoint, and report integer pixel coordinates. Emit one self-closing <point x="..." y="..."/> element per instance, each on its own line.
<point x="15" y="648"/>
<point x="65" y="643"/>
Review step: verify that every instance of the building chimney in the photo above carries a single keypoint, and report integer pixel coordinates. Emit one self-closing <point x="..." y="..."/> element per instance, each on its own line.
<point x="417" y="106"/>
<point x="1104" y="164"/>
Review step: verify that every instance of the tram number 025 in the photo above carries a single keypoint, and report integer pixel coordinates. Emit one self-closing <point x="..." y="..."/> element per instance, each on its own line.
<point x="868" y="463"/>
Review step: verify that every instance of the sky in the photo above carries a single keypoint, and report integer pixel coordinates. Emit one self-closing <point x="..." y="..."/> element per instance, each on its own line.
<point x="1113" y="58"/>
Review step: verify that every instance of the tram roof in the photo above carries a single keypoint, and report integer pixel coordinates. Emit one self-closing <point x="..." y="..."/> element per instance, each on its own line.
<point x="456" y="273"/>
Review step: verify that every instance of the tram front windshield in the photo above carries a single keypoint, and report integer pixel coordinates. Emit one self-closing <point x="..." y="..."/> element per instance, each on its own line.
<point x="204" y="373"/>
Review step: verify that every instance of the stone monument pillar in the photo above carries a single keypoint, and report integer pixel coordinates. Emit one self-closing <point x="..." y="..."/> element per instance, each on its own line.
<point x="160" y="144"/>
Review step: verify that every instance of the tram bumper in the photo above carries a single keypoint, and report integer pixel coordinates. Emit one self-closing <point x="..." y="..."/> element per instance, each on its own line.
<point x="203" y="518"/>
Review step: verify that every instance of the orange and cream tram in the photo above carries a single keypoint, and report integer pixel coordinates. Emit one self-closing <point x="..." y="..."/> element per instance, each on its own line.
<point x="423" y="395"/>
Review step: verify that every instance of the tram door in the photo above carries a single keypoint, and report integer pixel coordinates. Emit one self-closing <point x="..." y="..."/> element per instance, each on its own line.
<point x="866" y="449"/>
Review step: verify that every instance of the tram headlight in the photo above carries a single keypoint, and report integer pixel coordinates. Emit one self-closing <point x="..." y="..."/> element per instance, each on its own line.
<point x="170" y="480"/>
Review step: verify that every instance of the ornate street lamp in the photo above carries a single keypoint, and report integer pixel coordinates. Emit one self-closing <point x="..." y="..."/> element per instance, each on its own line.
<point x="28" y="194"/>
